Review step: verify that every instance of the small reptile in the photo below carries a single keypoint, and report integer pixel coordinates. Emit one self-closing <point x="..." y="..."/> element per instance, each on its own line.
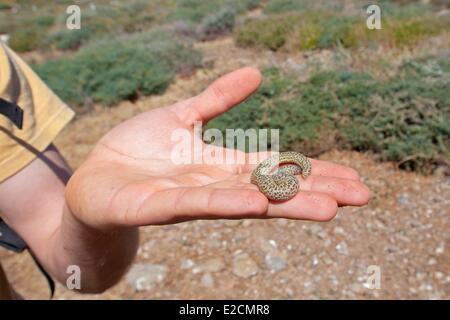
<point x="281" y="184"/>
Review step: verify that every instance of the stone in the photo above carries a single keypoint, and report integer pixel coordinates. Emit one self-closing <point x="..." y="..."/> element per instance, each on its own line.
<point x="273" y="243"/>
<point x="207" y="280"/>
<point x="275" y="262"/>
<point x="244" y="266"/>
<point x="211" y="265"/>
<point x="342" y="247"/>
<point x="232" y="223"/>
<point x="315" y="260"/>
<point x="339" y="231"/>
<point x="144" y="277"/>
<point x="440" y="248"/>
<point x="403" y="199"/>
<point x="187" y="264"/>
<point x="247" y="223"/>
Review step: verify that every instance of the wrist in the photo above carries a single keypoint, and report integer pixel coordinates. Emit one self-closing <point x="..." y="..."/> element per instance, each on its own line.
<point x="102" y="254"/>
<point x="85" y="202"/>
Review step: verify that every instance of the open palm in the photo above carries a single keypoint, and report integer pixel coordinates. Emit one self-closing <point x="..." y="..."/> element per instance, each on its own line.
<point x="131" y="180"/>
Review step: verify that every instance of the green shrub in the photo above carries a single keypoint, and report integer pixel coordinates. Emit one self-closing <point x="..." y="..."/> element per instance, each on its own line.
<point x="409" y="31"/>
<point x="272" y="32"/>
<point x="23" y="40"/>
<point x="193" y="10"/>
<point x="284" y="6"/>
<point x="5" y="6"/>
<point x="280" y="6"/>
<point x="312" y="29"/>
<point x="405" y="119"/>
<point x="30" y="31"/>
<point x="217" y="24"/>
<point x="392" y="10"/>
<point x="70" y="39"/>
<point x="44" y="21"/>
<point x="244" y="5"/>
<point x="338" y="30"/>
<point x="110" y="71"/>
<point x="308" y="36"/>
<point x="177" y="52"/>
<point x="138" y="24"/>
<point x="198" y="10"/>
<point x="106" y="73"/>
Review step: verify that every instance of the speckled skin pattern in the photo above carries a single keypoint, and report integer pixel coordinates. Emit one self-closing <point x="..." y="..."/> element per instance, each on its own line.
<point x="282" y="184"/>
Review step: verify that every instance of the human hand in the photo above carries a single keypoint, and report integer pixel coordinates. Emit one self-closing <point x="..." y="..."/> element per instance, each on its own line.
<point x="130" y="179"/>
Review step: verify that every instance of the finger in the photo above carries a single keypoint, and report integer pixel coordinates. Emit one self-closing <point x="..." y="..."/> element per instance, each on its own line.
<point x="330" y="169"/>
<point x="221" y="95"/>
<point x="318" y="167"/>
<point x="306" y="205"/>
<point x="189" y="203"/>
<point x="347" y="192"/>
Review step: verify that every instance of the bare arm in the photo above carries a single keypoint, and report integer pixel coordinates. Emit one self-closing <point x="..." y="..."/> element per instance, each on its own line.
<point x="32" y="202"/>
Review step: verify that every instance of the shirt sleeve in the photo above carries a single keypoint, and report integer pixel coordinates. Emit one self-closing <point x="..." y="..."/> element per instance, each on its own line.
<point x="44" y="114"/>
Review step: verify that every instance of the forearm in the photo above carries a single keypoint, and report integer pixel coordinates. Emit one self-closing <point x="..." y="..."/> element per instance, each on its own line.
<point x="103" y="256"/>
<point x="32" y="202"/>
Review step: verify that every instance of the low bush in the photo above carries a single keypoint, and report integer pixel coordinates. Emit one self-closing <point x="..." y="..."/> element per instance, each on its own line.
<point x="70" y="39"/>
<point x="106" y="74"/>
<point x="217" y="24"/>
<point x="5" y="6"/>
<point x="405" y="119"/>
<point x="244" y="5"/>
<point x="23" y="40"/>
<point x="280" y="6"/>
<point x="198" y="10"/>
<point x="193" y="10"/>
<point x="339" y="30"/>
<point x="314" y="29"/>
<point x="31" y="33"/>
<point x="110" y="71"/>
<point x="286" y="6"/>
<point x="177" y="52"/>
<point x="272" y="32"/>
<point x="410" y="31"/>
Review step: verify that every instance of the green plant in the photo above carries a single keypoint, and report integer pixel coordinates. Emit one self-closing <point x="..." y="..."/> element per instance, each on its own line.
<point x="217" y="24"/>
<point x="272" y="32"/>
<point x="5" y="6"/>
<point x="193" y="10"/>
<point x="44" y="21"/>
<point x="110" y="71"/>
<point x="314" y="28"/>
<point x="280" y="6"/>
<point x="405" y="119"/>
<point x="285" y="6"/>
<point x="409" y="31"/>
<point x="306" y="37"/>
<point x="28" y="32"/>
<point x="70" y="39"/>
<point x="338" y="30"/>
<point x="244" y="5"/>
<point x="106" y="73"/>
<point x="23" y="40"/>
<point x="177" y="52"/>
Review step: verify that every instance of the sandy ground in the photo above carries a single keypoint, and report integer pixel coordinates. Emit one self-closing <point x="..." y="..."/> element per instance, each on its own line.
<point x="403" y="232"/>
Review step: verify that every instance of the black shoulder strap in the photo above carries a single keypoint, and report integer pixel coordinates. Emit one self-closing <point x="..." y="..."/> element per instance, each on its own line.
<point x="12" y="111"/>
<point x="10" y="240"/>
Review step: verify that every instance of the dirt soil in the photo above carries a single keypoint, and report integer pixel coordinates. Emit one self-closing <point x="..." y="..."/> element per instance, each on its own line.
<point x="404" y="231"/>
